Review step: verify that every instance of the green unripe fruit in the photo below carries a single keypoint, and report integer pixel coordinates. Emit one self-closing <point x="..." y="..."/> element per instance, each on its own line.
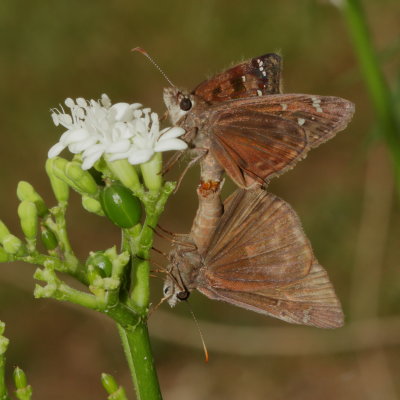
<point x="49" y="239"/>
<point x="121" y="206"/>
<point x="101" y="263"/>
<point x="28" y="216"/>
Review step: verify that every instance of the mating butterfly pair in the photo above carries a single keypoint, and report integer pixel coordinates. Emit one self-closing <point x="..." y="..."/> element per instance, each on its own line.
<point x="258" y="257"/>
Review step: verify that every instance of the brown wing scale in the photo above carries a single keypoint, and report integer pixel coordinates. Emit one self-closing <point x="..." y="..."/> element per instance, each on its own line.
<point x="258" y="242"/>
<point x="256" y="145"/>
<point x="256" y="77"/>
<point x="310" y="300"/>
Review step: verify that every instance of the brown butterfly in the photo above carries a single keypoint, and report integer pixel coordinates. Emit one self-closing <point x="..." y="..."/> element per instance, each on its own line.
<point x="260" y="259"/>
<point x="254" y="132"/>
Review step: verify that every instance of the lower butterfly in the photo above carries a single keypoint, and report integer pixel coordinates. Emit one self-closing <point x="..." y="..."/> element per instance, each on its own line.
<point x="260" y="259"/>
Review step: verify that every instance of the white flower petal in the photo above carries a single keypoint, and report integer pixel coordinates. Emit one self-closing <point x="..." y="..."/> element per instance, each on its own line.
<point x="170" y="144"/>
<point x="55" y="150"/>
<point x="78" y="147"/>
<point x="94" y="149"/>
<point x="119" y="147"/>
<point x="118" y="156"/>
<point x="88" y="162"/>
<point x="122" y="111"/>
<point x="72" y="136"/>
<point x="169" y="133"/>
<point x="140" y="156"/>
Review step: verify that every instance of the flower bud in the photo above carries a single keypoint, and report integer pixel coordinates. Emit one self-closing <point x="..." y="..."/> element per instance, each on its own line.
<point x="28" y="216"/>
<point x="92" y="205"/>
<point x="20" y="380"/>
<point x="4" y="257"/>
<point x="125" y="173"/>
<point x="11" y="244"/>
<point x="81" y="179"/>
<point x="109" y="383"/>
<point x="60" y="187"/>
<point x="3" y="231"/>
<point x="120" y="205"/>
<point x="25" y="191"/>
<point x="151" y="172"/>
<point x="49" y="239"/>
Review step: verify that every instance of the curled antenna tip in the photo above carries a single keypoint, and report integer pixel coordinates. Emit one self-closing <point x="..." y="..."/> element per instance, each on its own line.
<point x="146" y="54"/>
<point x="140" y="50"/>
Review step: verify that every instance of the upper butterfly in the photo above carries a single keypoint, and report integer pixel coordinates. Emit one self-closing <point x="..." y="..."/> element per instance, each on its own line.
<point x="254" y="132"/>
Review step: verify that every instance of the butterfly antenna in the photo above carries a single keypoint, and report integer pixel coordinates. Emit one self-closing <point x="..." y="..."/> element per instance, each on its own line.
<point x="206" y="358"/>
<point x="145" y="53"/>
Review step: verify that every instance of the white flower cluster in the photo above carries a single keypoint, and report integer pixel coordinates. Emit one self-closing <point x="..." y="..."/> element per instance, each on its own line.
<point x="122" y="130"/>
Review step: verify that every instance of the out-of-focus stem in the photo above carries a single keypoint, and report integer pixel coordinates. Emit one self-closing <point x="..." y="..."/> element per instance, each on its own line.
<point x="374" y="79"/>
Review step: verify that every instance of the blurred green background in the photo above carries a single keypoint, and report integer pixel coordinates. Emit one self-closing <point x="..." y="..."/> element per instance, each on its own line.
<point x="343" y="192"/>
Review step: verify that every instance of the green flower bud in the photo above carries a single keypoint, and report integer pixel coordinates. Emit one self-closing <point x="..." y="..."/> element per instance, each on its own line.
<point x="125" y="173"/>
<point x="25" y="191"/>
<point x="3" y="231"/>
<point x="92" y="205"/>
<point x="151" y="172"/>
<point x="4" y="257"/>
<point x="60" y="187"/>
<point x="20" y="378"/>
<point x="109" y="383"/>
<point x="28" y="216"/>
<point x="101" y="263"/>
<point x="120" y="205"/>
<point x="12" y="244"/>
<point x="81" y="179"/>
<point x="49" y="239"/>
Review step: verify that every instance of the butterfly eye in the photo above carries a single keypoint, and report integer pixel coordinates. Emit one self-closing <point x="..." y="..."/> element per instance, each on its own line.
<point x="185" y="104"/>
<point x="184" y="295"/>
<point x="167" y="290"/>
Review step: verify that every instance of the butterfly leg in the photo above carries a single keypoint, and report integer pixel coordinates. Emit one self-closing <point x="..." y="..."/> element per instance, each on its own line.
<point x="201" y="153"/>
<point x="172" y="161"/>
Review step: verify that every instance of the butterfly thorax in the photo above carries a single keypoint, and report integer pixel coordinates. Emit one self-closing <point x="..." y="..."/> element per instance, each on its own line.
<point x="185" y="264"/>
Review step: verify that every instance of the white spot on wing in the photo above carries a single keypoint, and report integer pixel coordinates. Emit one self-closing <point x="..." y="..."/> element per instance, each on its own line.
<point x="301" y="121"/>
<point x="259" y="92"/>
<point x="284" y="106"/>
<point x="243" y="78"/>
<point x="316" y="103"/>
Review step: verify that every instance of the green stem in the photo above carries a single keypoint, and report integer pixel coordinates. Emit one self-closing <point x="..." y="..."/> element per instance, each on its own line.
<point x="3" y="388"/>
<point x="140" y="359"/>
<point x="3" y="347"/>
<point x="374" y="79"/>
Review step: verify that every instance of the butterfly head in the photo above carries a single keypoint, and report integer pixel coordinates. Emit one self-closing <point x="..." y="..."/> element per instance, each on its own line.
<point x="174" y="292"/>
<point x="178" y="103"/>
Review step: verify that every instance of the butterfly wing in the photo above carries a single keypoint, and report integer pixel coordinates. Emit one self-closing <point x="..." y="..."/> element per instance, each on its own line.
<point x="261" y="260"/>
<point x="259" y="241"/>
<point x="253" y="146"/>
<point x="255" y="77"/>
<point x="310" y="300"/>
<point x="257" y="139"/>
